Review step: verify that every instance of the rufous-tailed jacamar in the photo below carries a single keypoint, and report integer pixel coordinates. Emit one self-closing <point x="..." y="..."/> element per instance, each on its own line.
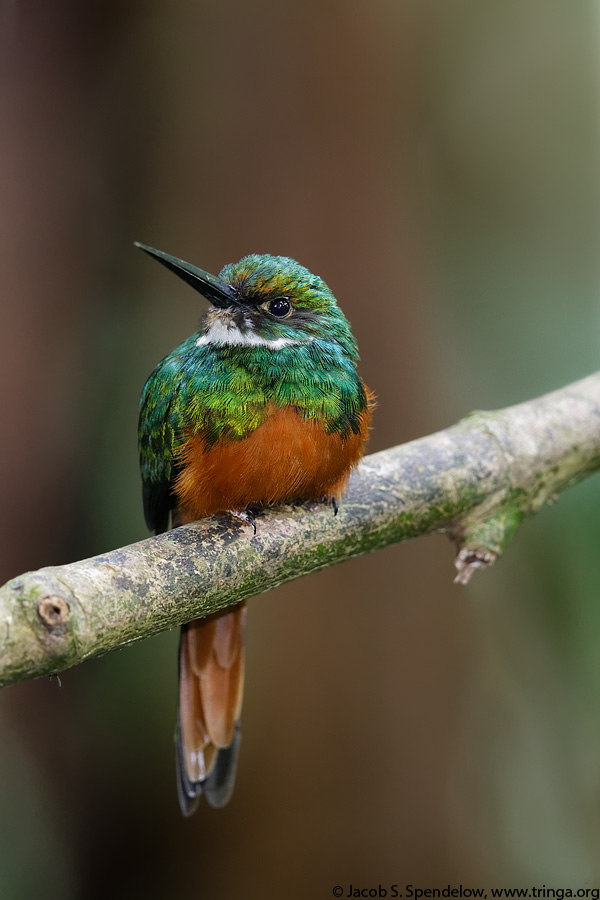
<point x="262" y="405"/>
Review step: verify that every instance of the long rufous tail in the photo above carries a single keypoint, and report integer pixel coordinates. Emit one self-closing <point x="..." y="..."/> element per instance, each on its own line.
<point x="211" y="685"/>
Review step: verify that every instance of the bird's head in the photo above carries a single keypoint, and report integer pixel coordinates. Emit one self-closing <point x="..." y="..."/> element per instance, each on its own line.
<point x="265" y="300"/>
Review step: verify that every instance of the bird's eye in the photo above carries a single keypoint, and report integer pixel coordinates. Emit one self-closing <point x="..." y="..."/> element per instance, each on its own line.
<point x="280" y="307"/>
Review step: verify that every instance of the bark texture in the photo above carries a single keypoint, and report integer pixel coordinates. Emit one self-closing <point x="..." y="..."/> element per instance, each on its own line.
<point x="475" y="481"/>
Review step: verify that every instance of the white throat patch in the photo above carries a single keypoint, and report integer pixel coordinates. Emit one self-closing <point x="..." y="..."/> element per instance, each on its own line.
<point x="222" y="331"/>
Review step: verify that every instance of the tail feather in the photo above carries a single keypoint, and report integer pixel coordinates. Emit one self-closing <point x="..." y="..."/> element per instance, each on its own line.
<point x="211" y="679"/>
<point x="199" y="636"/>
<point x="218" y="787"/>
<point x="229" y="634"/>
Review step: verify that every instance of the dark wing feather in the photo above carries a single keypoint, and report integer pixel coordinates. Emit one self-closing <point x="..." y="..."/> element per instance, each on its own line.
<point x="159" y="425"/>
<point x="158" y="501"/>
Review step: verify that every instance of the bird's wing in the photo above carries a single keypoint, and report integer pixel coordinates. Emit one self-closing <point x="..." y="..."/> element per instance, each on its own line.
<point x="160" y="425"/>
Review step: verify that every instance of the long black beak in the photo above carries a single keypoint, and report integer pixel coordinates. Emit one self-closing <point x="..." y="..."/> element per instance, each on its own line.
<point x="214" y="289"/>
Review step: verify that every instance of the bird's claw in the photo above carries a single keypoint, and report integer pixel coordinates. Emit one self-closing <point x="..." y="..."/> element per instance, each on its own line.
<point x="246" y="515"/>
<point x="333" y="502"/>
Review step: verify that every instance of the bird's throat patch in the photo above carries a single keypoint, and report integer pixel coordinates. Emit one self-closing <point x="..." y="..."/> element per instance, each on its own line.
<point x="229" y="326"/>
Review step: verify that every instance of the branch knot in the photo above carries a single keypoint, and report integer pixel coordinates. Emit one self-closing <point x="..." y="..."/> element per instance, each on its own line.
<point x="53" y="612"/>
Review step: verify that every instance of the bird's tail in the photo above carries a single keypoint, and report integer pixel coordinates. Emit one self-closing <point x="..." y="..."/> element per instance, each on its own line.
<point x="211" y="685"/>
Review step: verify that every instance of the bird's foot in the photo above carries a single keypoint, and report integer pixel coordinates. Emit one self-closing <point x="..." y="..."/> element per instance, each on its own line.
<point x="246" y="515"/>
<point x="333" y="502"/>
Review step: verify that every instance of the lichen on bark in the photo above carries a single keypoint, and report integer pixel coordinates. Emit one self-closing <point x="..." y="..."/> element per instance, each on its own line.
<point x="475" y="481"/>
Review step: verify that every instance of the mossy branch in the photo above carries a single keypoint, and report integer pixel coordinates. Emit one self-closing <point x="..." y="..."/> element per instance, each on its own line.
<point x="475" y="481"/>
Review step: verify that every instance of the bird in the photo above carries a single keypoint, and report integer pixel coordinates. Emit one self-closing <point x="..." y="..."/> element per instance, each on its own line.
<point x="262" y="405"/>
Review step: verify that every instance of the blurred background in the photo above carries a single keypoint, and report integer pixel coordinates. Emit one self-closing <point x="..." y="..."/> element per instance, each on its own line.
<point x="438" y="164"/>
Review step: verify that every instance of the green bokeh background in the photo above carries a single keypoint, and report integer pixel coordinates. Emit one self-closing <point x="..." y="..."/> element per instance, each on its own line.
<point x="437" y="162"/>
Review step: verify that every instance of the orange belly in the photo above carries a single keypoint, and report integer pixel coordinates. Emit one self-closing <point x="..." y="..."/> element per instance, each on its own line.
<point x="287" y="458"/>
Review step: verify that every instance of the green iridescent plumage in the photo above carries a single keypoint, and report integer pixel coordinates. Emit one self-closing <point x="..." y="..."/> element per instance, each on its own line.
<point x="223" y="380"/>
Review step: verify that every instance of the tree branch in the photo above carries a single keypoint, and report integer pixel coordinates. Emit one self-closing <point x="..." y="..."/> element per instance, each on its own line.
<point x="475" y="481"/>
